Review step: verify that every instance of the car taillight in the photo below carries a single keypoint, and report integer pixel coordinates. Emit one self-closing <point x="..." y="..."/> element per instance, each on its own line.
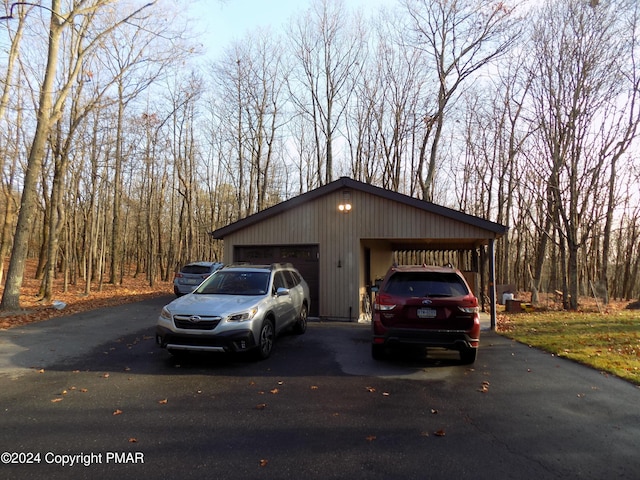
<point x="178" y="275"/>
<point x="384" y="304"/>
<point x="469" y="309"/>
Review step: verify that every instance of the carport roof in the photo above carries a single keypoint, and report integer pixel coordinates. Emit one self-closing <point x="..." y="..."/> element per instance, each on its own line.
<point x="494" y="230"/>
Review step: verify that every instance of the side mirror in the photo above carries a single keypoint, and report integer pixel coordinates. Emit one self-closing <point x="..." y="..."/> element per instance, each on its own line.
<point x="282" y="291"/>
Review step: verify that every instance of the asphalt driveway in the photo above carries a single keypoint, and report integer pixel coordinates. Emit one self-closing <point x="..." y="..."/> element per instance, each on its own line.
<point x="95" y="384"/>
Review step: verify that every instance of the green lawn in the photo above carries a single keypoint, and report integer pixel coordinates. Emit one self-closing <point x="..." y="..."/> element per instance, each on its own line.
<point x="609" y="342"/>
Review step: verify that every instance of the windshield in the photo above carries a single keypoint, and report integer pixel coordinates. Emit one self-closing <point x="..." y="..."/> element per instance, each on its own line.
<point x="235" y="283"/>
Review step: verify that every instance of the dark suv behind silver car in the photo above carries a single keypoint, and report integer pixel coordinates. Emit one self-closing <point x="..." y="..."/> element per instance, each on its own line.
<point x="191" y="275"/>
<point x="238" y="308"/>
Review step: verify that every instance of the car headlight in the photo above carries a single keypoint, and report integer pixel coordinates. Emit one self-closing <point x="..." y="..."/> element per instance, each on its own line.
<point x="242" y="316"/>
<point x="165" y="314"/>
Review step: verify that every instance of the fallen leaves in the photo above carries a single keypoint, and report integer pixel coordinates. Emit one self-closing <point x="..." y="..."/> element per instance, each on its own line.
<point x="273" y="391"/>
<point x="117" y="411"/>
<point x="374" y="390"/>
<point x="484" y="388"/>
<point x="65" y="392"/>
<point x="33" y="310"/>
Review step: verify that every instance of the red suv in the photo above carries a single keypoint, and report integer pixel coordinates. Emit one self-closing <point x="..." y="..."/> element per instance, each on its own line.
<point x="426" y="306"/>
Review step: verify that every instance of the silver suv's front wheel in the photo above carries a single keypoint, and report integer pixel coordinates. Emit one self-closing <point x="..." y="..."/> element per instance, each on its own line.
<point x="265" y="340"/>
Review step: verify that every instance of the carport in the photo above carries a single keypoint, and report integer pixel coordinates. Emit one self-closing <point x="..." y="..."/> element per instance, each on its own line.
<point x="345" y="235"/>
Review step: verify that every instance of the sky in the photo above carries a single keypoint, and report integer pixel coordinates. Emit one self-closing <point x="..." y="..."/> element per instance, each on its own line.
<point x="224" y="21"/>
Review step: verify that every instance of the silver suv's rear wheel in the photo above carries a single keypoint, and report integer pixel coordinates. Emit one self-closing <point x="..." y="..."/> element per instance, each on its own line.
<point x="301" y="324"/>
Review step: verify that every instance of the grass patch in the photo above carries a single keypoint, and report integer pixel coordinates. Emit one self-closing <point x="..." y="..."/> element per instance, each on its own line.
<point x="609" y="342"/>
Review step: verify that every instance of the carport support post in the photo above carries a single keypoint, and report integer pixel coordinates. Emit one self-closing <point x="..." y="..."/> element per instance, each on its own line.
<point x="492" y="282"/>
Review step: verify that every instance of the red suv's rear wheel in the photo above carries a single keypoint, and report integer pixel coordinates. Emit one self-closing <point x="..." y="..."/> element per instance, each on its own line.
<point x="468" y="355"/>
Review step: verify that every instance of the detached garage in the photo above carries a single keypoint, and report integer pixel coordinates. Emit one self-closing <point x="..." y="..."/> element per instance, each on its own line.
<point x="345" y="235"/>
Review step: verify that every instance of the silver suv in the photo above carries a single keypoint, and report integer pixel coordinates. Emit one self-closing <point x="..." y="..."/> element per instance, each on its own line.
<point x="238" y="308"/>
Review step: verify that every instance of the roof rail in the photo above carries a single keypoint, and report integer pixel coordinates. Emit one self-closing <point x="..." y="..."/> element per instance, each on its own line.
<point x="281" y="265"/>
<point x="271" y="266"/>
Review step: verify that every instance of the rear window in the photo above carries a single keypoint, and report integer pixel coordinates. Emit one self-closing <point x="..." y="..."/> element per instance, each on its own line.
<point x="426" y="284"/>
<point x="196" y="269"/>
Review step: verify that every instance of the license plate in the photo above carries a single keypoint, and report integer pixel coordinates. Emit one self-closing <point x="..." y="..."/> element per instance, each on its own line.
<point x="426" y="313"/>
<point x="192" y="281"/>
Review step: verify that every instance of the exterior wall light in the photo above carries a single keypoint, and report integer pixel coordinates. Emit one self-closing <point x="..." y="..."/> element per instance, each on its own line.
<point x="345" y="206"/>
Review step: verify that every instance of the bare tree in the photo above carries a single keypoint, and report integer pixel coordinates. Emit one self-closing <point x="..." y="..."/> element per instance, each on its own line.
<point x="48" y="113"/>
<point x="9" y="204"/>
<point x="458" y="38"/>
<point x="617" y="139"/>
<point x="328" y="50"/>
<point x="496" y="135"/>
<point x="627" y="256"/>
<point x="577" y="91"/>
<point x="63" y="140"/>
<point x="388" y="92"/>
<point x="251" y="78"/>
<point x="50" y="109"/>
<point x="136" y="56"/>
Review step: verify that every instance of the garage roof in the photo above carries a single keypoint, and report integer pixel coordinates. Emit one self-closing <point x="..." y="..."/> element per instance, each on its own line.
<point x="494" y="230"/>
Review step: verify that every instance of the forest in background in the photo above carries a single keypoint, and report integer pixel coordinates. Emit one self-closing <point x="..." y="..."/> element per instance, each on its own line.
<point x="122" y="147"/>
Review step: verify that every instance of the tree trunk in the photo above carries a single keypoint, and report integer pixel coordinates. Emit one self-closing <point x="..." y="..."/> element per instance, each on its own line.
<point x="56" y="219"/>
<point x="116" y="249"/>
<point x="15" y="273"/>
<point x="606" y="241"/>
<point x="572" y="273"/>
